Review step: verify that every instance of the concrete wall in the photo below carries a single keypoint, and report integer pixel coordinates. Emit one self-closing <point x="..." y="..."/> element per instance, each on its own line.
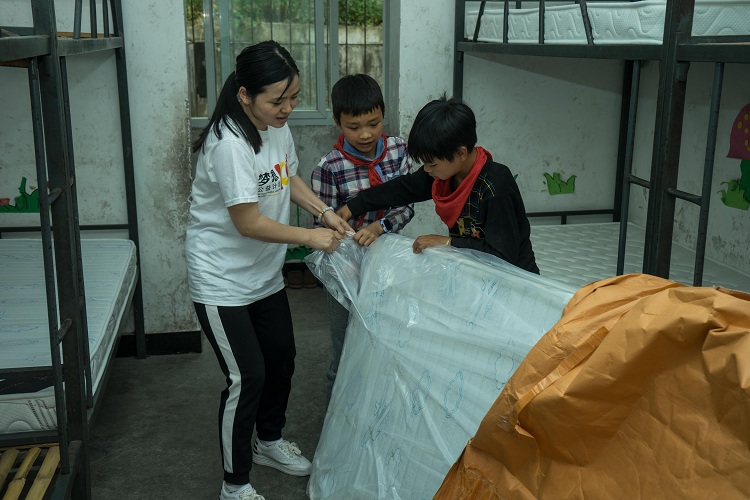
<point x="157" y="77"/>
<point x="425" y="56"/>
<point x="312" y="143"/>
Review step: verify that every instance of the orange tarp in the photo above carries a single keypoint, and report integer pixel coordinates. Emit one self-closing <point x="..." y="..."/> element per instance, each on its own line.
<point x="641" y="390"/>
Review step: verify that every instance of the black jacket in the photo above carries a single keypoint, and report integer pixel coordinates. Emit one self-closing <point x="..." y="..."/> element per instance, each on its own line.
<point x="493" y="219"/>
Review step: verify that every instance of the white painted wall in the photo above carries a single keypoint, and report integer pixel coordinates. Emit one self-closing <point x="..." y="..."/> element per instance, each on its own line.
<point x="545" y="115"/>
<point x="425" y="60"/>
<point x="157" y="77"/>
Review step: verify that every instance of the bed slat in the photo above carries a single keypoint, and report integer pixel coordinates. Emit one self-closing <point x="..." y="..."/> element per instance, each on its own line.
<point x="15" y="488"/>
<point x="33" y="467"/>
<point x="45" y="475"/>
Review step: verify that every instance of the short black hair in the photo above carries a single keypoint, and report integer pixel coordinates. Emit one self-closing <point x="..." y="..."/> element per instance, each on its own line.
<point x="441" y="127"/>
<point x="356" y="95"/>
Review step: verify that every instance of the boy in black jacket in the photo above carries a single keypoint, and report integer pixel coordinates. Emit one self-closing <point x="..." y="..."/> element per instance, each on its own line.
<point x="477" y="198"/>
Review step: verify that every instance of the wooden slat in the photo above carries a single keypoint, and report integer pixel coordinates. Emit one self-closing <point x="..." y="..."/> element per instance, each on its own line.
<point x="69" y="34"/>
<point x="7" y="460"/>
<point x="15" y="488"/>
<point x="19" y="63"/>
<point x="45" y="475"/>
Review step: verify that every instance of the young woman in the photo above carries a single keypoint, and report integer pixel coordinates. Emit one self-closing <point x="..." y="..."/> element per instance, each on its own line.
<point x="245" y="178"/>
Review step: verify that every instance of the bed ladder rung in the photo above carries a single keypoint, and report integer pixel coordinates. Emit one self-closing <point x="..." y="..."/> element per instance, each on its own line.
<point x="53" y="195"/>
<point x="683" y="195"/>
<point x="634" y="179"/>
<point x="64" y="329"/>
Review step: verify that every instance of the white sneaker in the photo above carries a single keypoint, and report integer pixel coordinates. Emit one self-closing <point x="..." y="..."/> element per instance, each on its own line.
<point x="246" y="492"/>
<point x="282" y="455"/>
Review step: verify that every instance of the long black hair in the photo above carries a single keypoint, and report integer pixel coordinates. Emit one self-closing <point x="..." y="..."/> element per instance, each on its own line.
<point x="257" y="67"/>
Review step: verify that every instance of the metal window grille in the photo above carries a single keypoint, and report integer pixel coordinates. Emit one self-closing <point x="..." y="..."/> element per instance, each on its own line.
<point x="327" y="38"/>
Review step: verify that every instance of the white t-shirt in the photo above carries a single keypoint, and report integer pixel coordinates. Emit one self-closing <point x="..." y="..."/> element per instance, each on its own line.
<point x="224" y="267"/>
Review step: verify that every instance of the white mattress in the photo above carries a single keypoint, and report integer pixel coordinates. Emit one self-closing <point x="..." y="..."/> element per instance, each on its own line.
<point x="578" y="254"/>
<point x="632" y="23"/>
<point x="109" y="268"/>
<point x="431" y="341"/>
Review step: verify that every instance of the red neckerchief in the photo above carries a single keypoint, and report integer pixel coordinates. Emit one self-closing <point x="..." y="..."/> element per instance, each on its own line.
<point x="450" y="203"/>
<point x="372" y="173"/>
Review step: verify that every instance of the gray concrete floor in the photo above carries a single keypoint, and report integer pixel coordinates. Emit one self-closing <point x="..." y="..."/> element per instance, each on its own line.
<point x="156" y="433"/>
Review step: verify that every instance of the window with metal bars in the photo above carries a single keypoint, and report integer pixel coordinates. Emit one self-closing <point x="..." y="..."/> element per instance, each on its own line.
<point x="327" y="38"/>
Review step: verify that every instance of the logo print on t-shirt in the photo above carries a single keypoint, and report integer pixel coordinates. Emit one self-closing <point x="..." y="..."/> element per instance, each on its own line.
<point x="281" y="169"/>
<point x="272" y="182"/>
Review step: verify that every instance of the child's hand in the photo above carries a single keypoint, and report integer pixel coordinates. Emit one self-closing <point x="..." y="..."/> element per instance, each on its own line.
<point x="344" y="212"/>
<point x="333" y="221"/>
<point x="429" y="240"/>
<point x="368" y="234"/>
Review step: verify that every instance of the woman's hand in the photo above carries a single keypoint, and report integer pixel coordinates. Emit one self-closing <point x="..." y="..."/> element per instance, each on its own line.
<point x="429" y="240"/>
<point x="334" y="221"/>
<point x="324" y="239"/>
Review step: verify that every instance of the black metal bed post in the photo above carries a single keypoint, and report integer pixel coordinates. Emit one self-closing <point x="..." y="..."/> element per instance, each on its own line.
<point x="46" y="198"/>
<point x="74" y="459"/>
<point x="587" y="23"/>
<point x="670" y="109"/>
<point x="105" y="18"/>
<point x="75" y="220"/>
<point x="506" y="19"/>
<point x="704" y="200"/>
<point x="625" y="169"/>
<point x="479" y="22"/>
<point x="626" y="103"/>
<point x="130" y="195"/>
<point x="92" y="14"/>
<point x="541" y="22"/>
<point x="708" y="172"/>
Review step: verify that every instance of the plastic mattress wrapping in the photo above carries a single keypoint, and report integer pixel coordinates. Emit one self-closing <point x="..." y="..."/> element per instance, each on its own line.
<point x="431" y="341"/>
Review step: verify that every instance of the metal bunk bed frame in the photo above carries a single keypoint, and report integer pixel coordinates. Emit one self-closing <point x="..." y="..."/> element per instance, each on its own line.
<point x="44" y="53"/>
<point x="678" y="50"/>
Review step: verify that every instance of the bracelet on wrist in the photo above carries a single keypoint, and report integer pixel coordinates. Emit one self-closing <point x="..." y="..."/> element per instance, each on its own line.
<point x="320" y="215"/>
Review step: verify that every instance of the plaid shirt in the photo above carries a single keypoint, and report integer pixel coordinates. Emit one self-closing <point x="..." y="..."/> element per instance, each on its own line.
<point x="336" y="180"/>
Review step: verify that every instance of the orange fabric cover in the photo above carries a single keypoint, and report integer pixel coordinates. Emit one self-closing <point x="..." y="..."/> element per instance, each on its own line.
<point x="641" y="390"/>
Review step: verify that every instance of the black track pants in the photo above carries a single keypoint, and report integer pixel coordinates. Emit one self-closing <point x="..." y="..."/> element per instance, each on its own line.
<point x="254" y="345"/>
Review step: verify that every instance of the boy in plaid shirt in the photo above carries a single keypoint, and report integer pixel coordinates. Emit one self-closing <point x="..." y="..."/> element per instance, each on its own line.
<point x="363" y="157"/>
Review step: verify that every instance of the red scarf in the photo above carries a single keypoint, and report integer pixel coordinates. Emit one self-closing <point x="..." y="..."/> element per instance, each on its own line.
<point x="372" y="173"/>
<point x="450" y="203"/>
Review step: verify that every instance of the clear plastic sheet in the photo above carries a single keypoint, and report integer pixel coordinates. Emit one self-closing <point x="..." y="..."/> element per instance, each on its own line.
<point x="432" y="340"/>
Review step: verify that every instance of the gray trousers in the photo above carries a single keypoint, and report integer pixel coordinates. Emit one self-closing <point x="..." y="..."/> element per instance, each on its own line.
<point x="339" y="317"/>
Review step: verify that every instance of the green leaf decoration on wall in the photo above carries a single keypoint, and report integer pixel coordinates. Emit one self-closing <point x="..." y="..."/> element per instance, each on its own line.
<point x="25" y="203"/>
<point x="555" y="184"/>
<point x="734" y="196"/>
